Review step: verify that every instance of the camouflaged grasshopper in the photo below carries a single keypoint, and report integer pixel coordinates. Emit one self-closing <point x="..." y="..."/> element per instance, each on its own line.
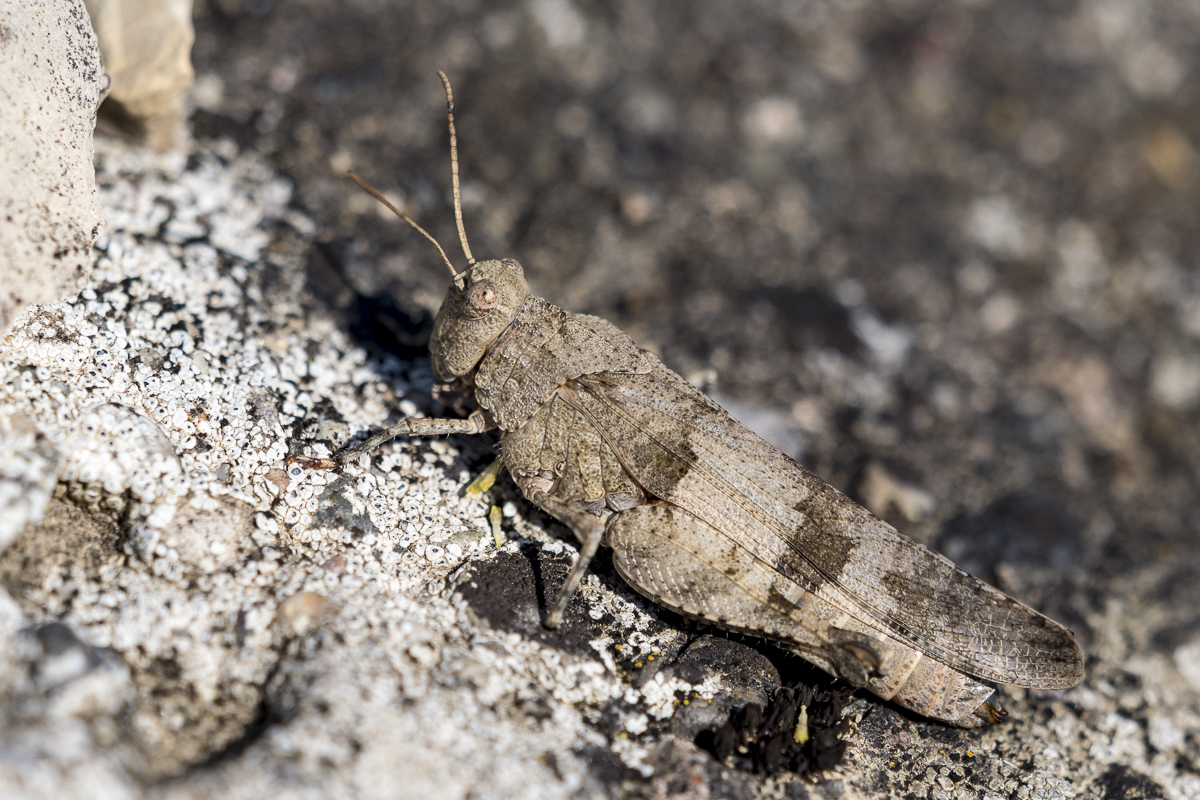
<point x="706" y="518"/>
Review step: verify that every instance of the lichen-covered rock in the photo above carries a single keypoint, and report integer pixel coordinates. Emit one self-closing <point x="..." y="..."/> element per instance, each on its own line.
<point x="50" y="86"/>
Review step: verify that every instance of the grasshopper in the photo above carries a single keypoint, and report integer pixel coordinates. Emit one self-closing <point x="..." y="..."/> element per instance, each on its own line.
<point x="706" y="518"/>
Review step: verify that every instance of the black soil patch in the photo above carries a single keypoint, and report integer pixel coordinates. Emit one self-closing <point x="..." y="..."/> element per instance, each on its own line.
<point x="514" y="591"/>
<point x="765" y="740"/>
<point x="1122" y="783"/>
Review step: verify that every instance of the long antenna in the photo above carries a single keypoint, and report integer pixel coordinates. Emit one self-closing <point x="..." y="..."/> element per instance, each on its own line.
<point x="371" y="190"/>
<point x="462" y="231"/>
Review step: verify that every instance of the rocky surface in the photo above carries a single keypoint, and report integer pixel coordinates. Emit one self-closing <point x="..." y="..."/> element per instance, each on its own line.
<point x="942" y="254"/>
<point x="50" y="86"/>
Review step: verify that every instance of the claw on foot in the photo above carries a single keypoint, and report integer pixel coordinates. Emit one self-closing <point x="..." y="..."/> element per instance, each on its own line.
<point x="990" y="710"/>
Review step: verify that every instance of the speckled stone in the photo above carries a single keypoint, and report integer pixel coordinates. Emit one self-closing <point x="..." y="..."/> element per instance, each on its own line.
<point x="51" y="80"/>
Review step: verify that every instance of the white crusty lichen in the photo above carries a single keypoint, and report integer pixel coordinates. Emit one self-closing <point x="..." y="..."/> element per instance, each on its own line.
<point x="167" y="395"/>
<point x="117" y="452"/>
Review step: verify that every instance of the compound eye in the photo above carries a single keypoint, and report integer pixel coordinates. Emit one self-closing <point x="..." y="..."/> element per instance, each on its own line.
<point x="481" y="299"/>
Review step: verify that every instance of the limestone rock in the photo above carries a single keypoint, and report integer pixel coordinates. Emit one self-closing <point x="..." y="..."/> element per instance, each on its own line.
<point x="50" y="86"/>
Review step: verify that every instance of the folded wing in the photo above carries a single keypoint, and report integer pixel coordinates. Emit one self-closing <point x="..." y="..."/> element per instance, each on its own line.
<point x="683" y="448"/>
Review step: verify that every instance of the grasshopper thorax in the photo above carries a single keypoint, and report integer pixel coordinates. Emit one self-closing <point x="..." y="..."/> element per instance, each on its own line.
<point x="473" y="317"/>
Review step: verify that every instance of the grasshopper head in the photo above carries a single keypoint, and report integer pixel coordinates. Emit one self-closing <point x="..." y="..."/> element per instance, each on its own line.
<point x="482" y="301"/>
<point x="471" y="318"/>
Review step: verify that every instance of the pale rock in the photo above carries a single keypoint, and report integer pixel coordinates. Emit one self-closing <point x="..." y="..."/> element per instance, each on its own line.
<point x="29" y="468"/>
<point x="10" y="623"/>
<point x="50" y="86"/>
<point x="1187" y="661"/>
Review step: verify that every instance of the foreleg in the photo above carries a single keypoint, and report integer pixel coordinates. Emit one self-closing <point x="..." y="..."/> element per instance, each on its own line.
<point x="478" y="422"/>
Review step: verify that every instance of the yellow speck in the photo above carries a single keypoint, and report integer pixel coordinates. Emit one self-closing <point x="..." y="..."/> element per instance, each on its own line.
<point x="620" y="647"/>
<point x="941" y="752"/>
<point x="637" y="664"/>
<point x="622" y="735"/>
<point x="801" y="734"/>
<point x="494" y="518"/>
<point x="650" y="658"/>
<point x="686" y="701"/>
<point x="970" y="754"/>
<point x="486" y="478"/>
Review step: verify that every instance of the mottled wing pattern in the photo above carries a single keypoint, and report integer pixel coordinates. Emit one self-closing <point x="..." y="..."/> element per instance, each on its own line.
<point x="682" y="447"/>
